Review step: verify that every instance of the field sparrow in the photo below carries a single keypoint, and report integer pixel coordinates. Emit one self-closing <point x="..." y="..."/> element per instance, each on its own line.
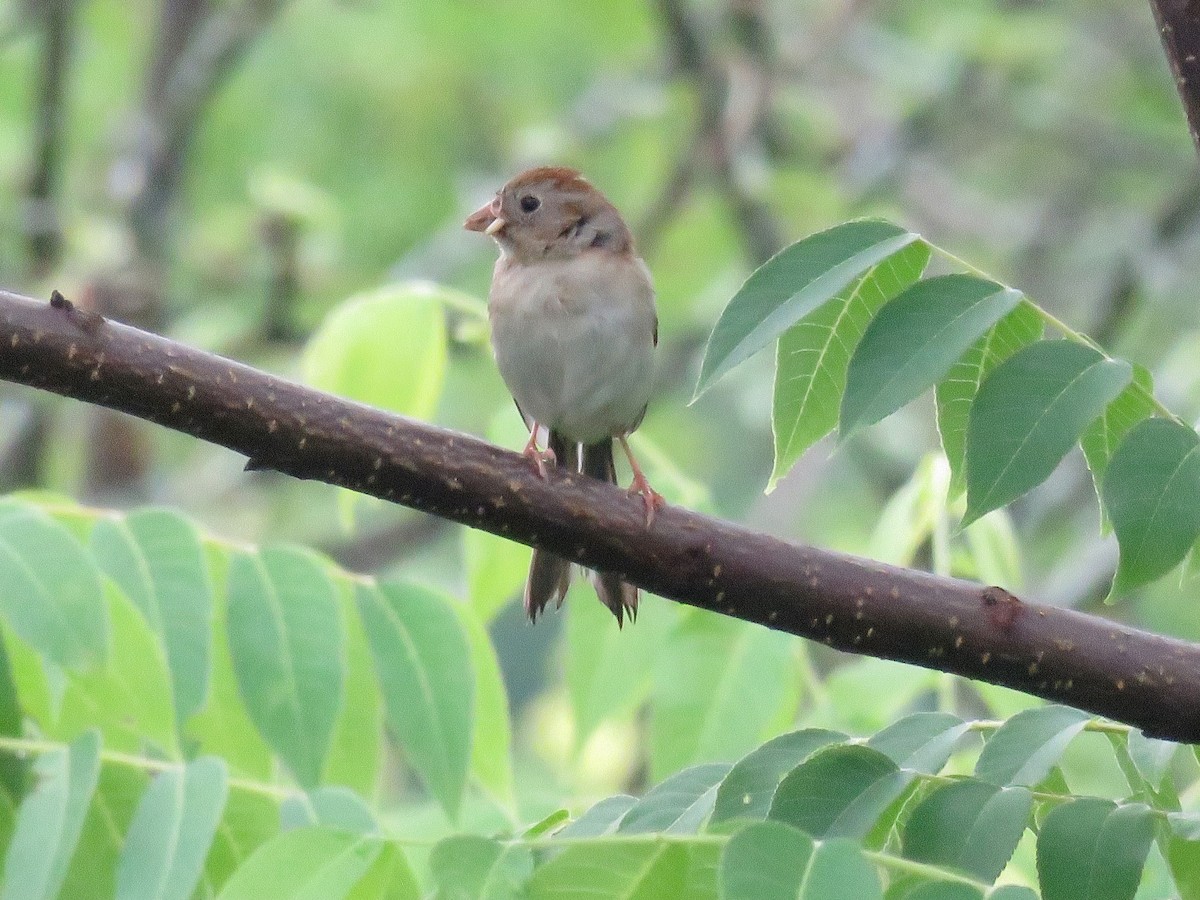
<point x="574" y="330"/>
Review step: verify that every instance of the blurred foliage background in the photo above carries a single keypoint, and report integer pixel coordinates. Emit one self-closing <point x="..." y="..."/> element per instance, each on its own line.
<point x="231" y="173"/>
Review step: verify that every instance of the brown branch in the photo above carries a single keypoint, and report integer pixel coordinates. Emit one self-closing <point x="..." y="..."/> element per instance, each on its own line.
<point x="852" y="604"/>
<point x="1179" y="27"/>
<point x="42" y="220"/>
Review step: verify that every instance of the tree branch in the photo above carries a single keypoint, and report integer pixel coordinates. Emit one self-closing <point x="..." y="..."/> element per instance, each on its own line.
<point x="852" y="604"/>
<point x="1179" y="27"/>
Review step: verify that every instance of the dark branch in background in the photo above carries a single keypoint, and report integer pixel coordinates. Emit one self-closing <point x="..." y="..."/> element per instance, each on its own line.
<point x="1179" y="27"/>
<point x="852" y="604"/>
<point x="198" y="47"/>
<point x="41" y="217"/>
<point x="734" y="110"/>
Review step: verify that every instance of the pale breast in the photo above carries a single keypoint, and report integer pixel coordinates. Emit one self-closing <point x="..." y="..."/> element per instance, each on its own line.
<point x="574" y="341"/>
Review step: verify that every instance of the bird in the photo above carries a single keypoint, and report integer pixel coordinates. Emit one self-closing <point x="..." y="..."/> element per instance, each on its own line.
<point x="573" y="330"/>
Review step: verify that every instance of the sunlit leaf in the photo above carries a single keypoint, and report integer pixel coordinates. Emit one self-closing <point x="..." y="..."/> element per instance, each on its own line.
<point x="480" y="868"/>
<point x="717" y="687"/>
<point x="423" y="663"/>
<point x="128" y="698"/>
<point x="811" y="361"/>
<point x="50" y="820"/>
<point x="644" y="870"/>
<point x="52" y="593"/>
<point x="790" y="285"/>
<point x="357" y="745"/>
<point x="1093" y="848"/>
<point x="168" y="840"/>
<point x="386" y="348"/>
<point x="334" y="807"/>
<point x="1151" y="491"/>
<point x="1028" y="413"/>
<point x="956" y="392"/>
<point x="491" y="744"/>
<point x="608" y="668"/>
<point x="914" y="340"/>
<point x="157" y="559"/>
<point x="1101" y="439"/>
<point x="304" y="864"/>
<point x="287" y="645"/>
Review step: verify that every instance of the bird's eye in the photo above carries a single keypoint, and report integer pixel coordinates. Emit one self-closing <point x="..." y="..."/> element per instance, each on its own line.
<point x="529" y="203"/>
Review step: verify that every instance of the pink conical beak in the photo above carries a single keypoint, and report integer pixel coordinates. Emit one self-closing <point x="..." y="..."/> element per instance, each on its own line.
<point x="485" y="219"/>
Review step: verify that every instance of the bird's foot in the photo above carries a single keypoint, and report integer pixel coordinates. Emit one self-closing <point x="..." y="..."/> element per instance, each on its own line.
<point x="541" y="458"/>
<point x="653" y="499"/>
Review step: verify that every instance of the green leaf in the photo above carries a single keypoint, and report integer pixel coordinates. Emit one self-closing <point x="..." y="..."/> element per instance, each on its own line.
<point x="304" y="864"/>
<point x="286" y="641"/>
<point x="334" y="807"/>
<point x="968" y="825"/>
<point x="1024" y="749"/>
<point x="129" y="698"/>
<point x="603" y="818"/>
<point x="223" y="727"/>
<point x="423" y="662"/>
<point x="1183" y="856"/>
<point x="943" y="890"/>
<point x="496" y="570"/>
<point x="608" y="669"/>
<point x="93" y="869"/>
<point x="172" y="830"/>
<point x="840" y="791"/>
<point x="1103" y="436"/>
<point x="1152" y="757"/>
<point x="491" y="744"/>
<point x="468" y="867"/>
<point x="678" y="805"/>
<point x="921" y="742"/>
<point x="1151" y="491"/>
<point x="1028" y="413"/>
<point x="915" y="340"/>
<point x="629" y="869"/>
<point x="790" y="285"/>
<point x="52" y="591"/>
<point x="746" y="791"/>
<point x="156" y="558"/>
<point x="956" y="392"/>
<point x="718" y="686"/>
<point x="50" y="820"/>
<point x="357" y="746"/>
<point x="772" y="861"/>
<point x="1093" y="848"/>
<point x="811" y="361"/>
<point x="250" y="820"/>
<point x="386" y="348"/>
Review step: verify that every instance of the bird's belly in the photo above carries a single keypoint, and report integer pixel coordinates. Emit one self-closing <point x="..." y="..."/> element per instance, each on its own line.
<point x="586" y="375"/>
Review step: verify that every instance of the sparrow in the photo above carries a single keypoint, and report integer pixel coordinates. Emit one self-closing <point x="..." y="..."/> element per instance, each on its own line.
<point x="573" y="328"/>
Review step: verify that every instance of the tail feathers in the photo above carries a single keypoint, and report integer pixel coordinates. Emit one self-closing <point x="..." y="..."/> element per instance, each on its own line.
<point x="549" y="575"/>
<point x="617" y="594"/>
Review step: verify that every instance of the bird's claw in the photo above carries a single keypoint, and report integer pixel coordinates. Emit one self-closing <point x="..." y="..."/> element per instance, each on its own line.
<point x="653" y="499"/>
<point x="541" y="459"/>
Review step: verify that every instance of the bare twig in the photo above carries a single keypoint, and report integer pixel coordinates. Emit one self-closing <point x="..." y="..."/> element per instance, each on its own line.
<point x="852" y="604"/>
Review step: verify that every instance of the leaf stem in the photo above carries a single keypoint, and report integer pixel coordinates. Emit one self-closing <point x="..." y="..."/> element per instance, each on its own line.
<point x="1059" y="325"/>
<point x="32" y="746"/>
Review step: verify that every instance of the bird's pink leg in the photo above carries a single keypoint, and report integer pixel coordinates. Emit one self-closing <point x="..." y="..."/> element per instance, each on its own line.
<point x="652" y="498"/>
<point x="541" y="458"/>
